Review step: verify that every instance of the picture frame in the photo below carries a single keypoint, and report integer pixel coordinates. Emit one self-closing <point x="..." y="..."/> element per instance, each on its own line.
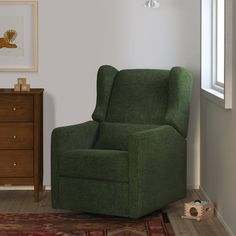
<point x="18" y="35"/>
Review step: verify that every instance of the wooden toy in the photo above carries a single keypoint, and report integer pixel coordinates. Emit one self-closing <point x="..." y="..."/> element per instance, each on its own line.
<point x="21" y="85"/>
<point x="198" y="211"/>
<point x="17" y="87"/>
<point x="25" y="87"/>
<point x="21" y="81"/>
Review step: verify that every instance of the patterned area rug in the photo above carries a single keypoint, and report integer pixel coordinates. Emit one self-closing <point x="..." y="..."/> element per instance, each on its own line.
<point x="68" y="224"/>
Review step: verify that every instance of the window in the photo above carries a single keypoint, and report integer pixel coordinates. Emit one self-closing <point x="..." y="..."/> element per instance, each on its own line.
<point x="218" y="42"/>
<point x="217" y="50"/>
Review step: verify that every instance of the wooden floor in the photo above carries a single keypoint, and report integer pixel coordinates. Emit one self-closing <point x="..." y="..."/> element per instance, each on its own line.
<point x="211" y="227"/>
<point x="22" y="201"/>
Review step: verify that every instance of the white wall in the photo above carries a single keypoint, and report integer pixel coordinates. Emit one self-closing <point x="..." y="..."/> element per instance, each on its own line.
<point x="76" y="37"/>
<point x="218" y="149"/>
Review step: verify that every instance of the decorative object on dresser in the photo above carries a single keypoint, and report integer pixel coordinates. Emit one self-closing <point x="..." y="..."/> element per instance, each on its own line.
<point x="21" y="138"/>
<point x="21" y="85"/>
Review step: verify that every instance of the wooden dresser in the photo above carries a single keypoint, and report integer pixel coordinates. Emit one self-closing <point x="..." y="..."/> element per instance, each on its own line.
<point x="21" y="138"/>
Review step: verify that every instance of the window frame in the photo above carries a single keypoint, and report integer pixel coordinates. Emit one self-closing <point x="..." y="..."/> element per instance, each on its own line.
<point x="214" y="90"/>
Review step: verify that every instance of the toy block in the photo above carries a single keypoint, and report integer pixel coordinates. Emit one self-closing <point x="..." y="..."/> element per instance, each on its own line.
<point x="25" y="87"/>
<point x="17" y="88"/>
<point x="21" y="81"/>
<point x="198" y="211"/>
<point x="21" y="85"/>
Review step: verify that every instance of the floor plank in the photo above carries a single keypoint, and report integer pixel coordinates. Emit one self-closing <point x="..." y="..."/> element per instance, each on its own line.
<point x="22" y="202"/>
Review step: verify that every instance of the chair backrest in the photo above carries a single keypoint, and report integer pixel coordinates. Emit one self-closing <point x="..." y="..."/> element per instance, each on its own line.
<point x="139" y="97"/>
<point x="144" y="96"/>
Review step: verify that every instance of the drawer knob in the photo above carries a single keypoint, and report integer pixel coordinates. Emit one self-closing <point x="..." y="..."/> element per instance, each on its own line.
<point x="14" y="109"/>
<point x="15" y="137"/>
<point x="14" y="164"/>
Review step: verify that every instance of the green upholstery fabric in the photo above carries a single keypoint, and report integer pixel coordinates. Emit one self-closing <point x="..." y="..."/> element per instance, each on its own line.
<point x="114" y="136"/>
<point x="138" y="100"/>
<point x="131" y="160"/>
<point x="80" y="163"/>
<point x="81" y="136"/>
<point x="180" y="92"/>
<point x="157" y="165"/>
<point x="99" y="197"/>
<point x="105" y="79"/>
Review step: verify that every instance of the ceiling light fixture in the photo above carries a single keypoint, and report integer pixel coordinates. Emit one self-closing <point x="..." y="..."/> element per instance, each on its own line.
<point x="151" y="4"/>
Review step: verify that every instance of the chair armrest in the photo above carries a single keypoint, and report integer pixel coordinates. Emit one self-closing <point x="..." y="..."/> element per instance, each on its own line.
<point x="81" y="136"/>
<point x="157" y="166"/>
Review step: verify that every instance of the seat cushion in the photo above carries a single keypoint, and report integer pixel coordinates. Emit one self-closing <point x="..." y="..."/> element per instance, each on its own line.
<point x="95" y="164"/>
<point x="115" y="136"/>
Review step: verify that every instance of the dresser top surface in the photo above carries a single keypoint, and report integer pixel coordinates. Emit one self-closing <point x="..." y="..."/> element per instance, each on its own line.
<point x="11" y="91"/>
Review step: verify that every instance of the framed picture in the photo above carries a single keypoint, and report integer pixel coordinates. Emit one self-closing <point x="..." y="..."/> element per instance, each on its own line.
<point x="18" y="35"/>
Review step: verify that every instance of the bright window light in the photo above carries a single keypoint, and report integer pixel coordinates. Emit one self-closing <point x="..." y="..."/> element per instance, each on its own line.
<point x="218" y="44"/>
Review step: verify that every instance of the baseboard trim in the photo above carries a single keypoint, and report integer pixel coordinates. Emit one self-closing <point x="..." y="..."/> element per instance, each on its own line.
<point x="11" y="187"/>
<point x="193" y="187"/>
<point x="218" y="214"/>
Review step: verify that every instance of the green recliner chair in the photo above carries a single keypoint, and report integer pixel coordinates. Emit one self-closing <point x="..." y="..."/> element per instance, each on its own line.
<point x="131" y="159"/>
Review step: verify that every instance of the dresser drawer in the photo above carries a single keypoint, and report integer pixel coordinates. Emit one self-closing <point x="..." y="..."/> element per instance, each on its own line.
<point x="16" y="108"/>
<point x="16" y="163"/>
<point x="16" y="136"/>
